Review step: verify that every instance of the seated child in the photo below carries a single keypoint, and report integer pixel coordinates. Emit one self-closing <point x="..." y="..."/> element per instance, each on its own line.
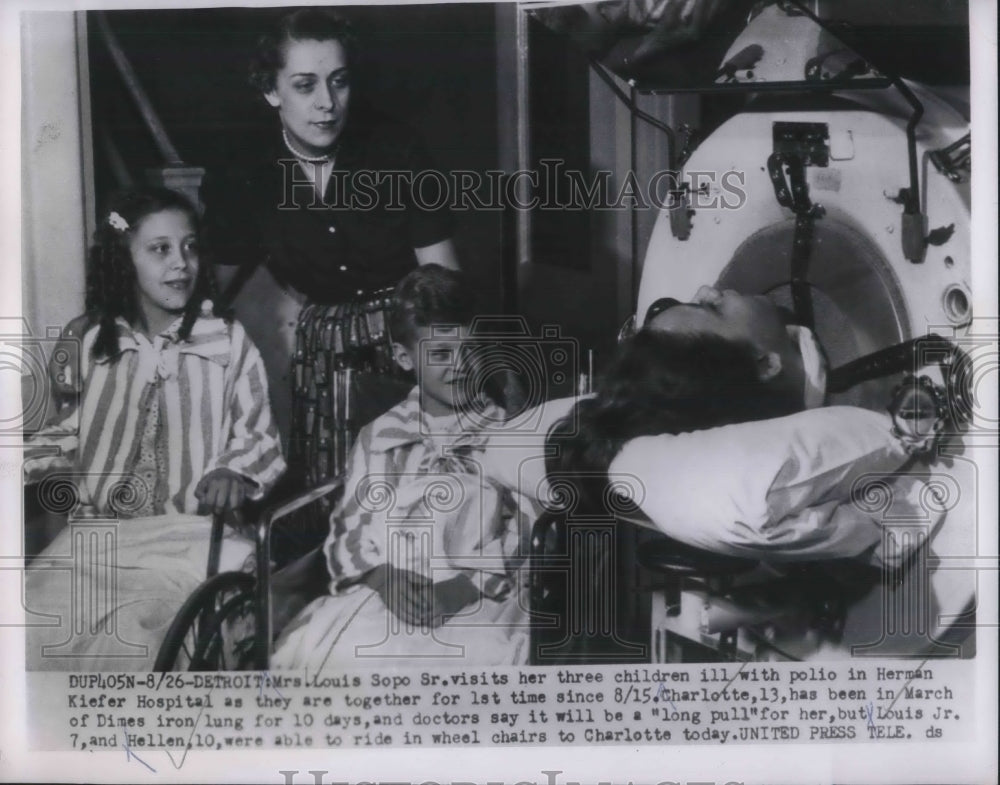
<point x="423" y="551"/>
<point x="171" y="419"/>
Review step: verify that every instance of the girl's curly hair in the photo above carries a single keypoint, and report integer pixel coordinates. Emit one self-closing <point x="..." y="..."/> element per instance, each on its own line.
<point x="659" y="383"/>
<point x="111" y="278"/>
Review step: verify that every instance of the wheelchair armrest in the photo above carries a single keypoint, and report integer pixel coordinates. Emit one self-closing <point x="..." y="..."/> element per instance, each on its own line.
<point x="279" y="511"/>
<point x="265" y="526"/>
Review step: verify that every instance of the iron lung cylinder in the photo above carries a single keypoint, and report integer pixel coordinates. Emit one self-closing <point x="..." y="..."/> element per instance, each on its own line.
<point x="866" y="294"/>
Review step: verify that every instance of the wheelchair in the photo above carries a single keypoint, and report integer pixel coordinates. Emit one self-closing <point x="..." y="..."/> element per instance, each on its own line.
<point x="341" y="360"/>
<point x="226" y="624"/>
<point x="342" y="375"/>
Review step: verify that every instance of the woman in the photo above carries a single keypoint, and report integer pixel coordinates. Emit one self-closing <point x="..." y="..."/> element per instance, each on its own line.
<point x="330" y="213"/>
<point x="306" y="210"/>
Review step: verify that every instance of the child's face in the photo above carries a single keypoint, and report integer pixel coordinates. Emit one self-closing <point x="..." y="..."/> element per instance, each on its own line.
<point x="164" y="251"/>
<point x="441" y="360"/>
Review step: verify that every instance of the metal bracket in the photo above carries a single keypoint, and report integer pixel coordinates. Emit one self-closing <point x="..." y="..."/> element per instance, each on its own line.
<point x="796" y="146"/>
<point x="955" y="160"/>
<point x="680" y="212"/>
<point x="919" y="411"/>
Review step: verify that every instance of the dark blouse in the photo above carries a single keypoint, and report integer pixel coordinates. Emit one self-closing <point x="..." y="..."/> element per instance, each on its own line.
<point x="358" y="238"/>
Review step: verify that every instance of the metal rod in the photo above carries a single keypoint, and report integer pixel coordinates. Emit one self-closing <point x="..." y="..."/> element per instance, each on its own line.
<point x="868" y="83"/>
<point x="142" y="102"/>
<point x="913" y="196"/>
<point x="635" y="110"/>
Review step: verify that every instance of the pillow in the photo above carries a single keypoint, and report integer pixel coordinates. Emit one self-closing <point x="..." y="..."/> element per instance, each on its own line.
<point x="776" y="489"/>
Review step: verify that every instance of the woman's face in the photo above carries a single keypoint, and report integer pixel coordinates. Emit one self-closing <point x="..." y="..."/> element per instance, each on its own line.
<point x="312" y="93"/>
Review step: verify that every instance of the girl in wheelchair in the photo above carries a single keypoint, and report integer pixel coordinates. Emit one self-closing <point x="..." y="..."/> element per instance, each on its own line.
<point x="170" y="418"/>
<point x="730" y="360"/>
<point x="424" y="552"/>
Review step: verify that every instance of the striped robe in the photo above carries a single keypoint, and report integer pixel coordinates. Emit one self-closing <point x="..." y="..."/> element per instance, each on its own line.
<point x="415" y="496"/>
<point x="138" y="569"/>
<point x="214" y="411"/>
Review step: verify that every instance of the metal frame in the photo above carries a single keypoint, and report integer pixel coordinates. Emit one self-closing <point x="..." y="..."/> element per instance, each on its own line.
<point x="264" y="529"/>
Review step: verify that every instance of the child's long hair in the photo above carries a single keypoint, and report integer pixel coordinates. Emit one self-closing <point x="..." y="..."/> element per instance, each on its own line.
<point x="659" y="383"/>
<point x="111" y="279"/>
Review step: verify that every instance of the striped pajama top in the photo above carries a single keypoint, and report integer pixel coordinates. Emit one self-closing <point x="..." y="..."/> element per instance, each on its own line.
<point x="408" y="473"/>
<point x="209" y="395"/>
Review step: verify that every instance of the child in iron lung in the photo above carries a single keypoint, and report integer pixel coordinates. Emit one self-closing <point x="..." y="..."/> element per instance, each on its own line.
<point x="170" y="417"/>
<point x="424" y="552"/>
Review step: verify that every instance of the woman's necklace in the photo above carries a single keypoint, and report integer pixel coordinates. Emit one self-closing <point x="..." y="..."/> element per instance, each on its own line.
<point x="323" y="159"/>
<point x="321" y="168"/>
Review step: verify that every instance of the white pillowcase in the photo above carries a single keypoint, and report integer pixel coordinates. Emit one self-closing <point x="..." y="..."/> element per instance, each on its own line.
<point x="774" y="489"/>
<point x="777" y="490"/>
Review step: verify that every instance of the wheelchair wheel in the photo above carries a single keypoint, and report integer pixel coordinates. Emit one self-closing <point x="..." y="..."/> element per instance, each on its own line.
<point x="214" y="629"/>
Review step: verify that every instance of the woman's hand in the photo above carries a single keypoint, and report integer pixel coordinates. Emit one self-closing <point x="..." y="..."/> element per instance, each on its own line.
<point x="416" y="599"/>
<point x="222" y="490"/>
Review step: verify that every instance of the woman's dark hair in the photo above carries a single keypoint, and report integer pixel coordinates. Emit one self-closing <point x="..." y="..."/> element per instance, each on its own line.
<point x="660" y="383"/>
<point x="111" y="278"/>
<point x="429" y="295"/>
<point x="305" y="24"/>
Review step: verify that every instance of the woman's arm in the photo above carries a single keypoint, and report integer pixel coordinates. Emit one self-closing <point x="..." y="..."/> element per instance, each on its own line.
<point x="442" y="253"/>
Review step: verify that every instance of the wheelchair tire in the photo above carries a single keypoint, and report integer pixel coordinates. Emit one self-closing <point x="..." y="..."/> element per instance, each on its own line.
<point x="198" y="638"/>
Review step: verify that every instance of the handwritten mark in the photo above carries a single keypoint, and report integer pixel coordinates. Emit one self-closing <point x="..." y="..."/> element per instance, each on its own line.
<point x="129" y="755"/>
<point x="661" y="696"/>
<point x="187" y="748"/>
<point x="899" y="692"/>
<point x="267" y="679"/>
<point x="870" y="711"/>
<point x="736" y="675"/>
